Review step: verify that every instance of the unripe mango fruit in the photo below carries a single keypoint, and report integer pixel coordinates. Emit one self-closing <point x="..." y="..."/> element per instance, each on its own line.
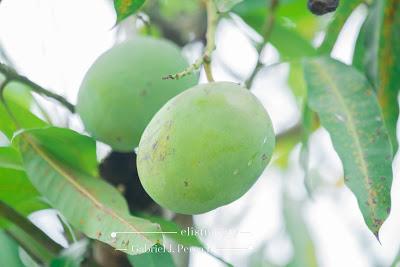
<point x="205" y="148"/>
<point x="124" y="88"/>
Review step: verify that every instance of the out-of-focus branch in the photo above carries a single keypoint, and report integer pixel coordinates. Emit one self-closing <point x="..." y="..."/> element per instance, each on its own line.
<point x="266" y="34"/>
<point x="176" y="30"/>
<point x="205" y="59"/>
<point x="12" y="75"/>
<point x="5" y="56"/>
<point x="30" y="230"/>
<point x="297" y="129"/>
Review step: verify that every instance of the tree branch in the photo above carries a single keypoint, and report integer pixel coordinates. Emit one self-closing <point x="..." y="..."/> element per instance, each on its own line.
<point x="12" y="75"/>
<point x="266" y="34"/>
<point x="205" y="59"/>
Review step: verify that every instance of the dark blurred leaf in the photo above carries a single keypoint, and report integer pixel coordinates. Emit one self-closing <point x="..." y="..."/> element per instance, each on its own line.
<point x="303" y="246"/>
<point x="157" y="256"/>
<point x="347" y="107"/>
<point x="125" y="8"/>
<point x="340" y="16"/>
<point x="377" y="53"/>
<point x="88" y="203"/>
<point x="9" y="252"/>
<point x="72" y="256"/>
<point x="389" y="67"/>
<point x="366" y="51"/>
<point x="226" y="5"/>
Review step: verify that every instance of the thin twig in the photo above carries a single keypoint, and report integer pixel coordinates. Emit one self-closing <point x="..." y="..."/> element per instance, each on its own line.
<point x="205" y="59"/>
<point x="266" y="34"/>
<point x="12" y="75"/>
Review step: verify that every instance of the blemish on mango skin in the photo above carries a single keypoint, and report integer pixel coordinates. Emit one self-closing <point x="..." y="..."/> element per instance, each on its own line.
<point x="264" y="157"/>
<point x="161" y="148"/>
<point x="143" y="93"/>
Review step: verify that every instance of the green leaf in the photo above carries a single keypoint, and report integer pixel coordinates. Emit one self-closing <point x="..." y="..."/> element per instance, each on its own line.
<point x="19" y="99"/>
<point x="389" y="67"/>
<point x="71" y="148"/>
<point x="226" y="5"/>
<point x="15" y="188"/>
<point x="88" y="203"/>
<point x="18" y="93"/>
<point x="24" y="117"/>
<point x="303" y="246"/>
<point x="10" y="159"/>
<point x="366" y="50"/>
<point x="332" y="32"/>
<point x="377" y="53"/>
<point x="125" y="8"/>
<point x="156" y="256"/>
<point x="348" y="109"/>
<point x="9" y="251"/>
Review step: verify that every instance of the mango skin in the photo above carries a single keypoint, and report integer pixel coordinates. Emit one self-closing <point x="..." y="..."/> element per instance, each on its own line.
<point x="124" y="88"/>
<point x="205" y="148"/>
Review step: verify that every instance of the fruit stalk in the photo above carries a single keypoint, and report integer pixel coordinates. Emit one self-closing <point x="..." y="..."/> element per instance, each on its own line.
<point x="205" y="59"/>
<point x="12" y="75"/>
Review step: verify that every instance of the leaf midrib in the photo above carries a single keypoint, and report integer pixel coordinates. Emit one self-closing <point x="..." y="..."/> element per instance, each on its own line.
<point x="80" y="189"/>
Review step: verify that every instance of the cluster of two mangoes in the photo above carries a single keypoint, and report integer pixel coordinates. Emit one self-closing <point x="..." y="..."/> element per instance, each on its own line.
<point x="199" y="148"/>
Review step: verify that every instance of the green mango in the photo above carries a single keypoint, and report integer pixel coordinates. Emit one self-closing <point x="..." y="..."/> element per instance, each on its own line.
<point x="205" y="148"/>
<point x="124" y="89"/>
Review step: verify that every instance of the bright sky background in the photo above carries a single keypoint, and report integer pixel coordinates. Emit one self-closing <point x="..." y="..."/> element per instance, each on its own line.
<point x="54" y="42"/>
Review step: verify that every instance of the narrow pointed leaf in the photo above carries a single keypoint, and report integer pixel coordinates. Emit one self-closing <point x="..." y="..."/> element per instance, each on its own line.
<point x="389" y="67"/>
<point x="349" y="110"/>
<point x="377" y="53"/>
<point x="88" y="203"/>
<point x="366" y="50"/>
<point x="125" y="8"/>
